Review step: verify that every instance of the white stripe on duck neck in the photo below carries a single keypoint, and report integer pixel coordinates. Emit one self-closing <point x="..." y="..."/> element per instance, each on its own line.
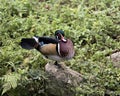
<point x="64" y="40"/>
<point x="58" y="49"/>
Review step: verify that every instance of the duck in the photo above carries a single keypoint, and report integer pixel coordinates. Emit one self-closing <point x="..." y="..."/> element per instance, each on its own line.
<point x="57" y="49"/>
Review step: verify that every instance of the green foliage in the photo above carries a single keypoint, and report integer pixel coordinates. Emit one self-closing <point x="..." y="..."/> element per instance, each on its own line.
<point x="94" y="27"/>
<point x="10" y="81"/>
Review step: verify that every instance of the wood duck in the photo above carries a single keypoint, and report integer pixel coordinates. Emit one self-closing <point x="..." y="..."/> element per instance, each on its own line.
<point x="57" y="49"/>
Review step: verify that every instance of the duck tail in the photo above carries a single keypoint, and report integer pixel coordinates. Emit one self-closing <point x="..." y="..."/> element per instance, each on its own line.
<point x="29" y="43"/>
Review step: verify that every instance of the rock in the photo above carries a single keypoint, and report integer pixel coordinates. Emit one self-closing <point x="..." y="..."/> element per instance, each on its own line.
<point x="62" y="80"/>
<point x="115" y="57"/>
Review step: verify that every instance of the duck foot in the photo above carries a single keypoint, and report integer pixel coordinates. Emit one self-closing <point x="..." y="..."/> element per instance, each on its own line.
<point x="58" y="65"/>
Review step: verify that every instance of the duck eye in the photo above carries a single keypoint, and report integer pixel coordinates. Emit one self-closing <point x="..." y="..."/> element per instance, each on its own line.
<point x="58" y="36"/>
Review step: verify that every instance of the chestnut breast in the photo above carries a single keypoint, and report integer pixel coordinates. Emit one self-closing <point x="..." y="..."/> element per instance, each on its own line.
<point x="67" y="49"/>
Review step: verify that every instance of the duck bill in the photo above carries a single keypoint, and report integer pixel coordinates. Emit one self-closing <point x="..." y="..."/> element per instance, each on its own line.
<point x="63" y="39"/>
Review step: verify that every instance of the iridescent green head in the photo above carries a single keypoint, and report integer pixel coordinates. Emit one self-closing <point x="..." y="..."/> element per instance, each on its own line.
<point x="59" y="34"/>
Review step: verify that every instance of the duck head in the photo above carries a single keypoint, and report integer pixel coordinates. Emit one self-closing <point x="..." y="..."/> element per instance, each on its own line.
<point x="59" y="35"/>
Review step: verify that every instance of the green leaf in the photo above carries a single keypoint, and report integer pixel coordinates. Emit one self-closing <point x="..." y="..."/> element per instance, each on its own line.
<point x="6" y="87"/>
